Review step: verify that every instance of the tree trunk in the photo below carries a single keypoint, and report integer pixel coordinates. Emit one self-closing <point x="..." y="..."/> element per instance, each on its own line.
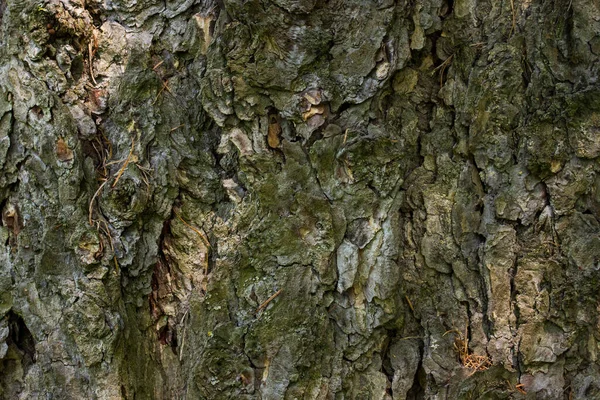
<point x="299" y="199"/>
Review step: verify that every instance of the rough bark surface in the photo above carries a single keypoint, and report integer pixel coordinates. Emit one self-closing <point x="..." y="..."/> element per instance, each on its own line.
<point x="308" y="199"/>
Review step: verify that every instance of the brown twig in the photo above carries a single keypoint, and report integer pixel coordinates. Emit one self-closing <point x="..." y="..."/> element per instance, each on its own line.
<point x="145" y="174"/>
<point x="514" y="18"/>
<point x="108" y="144"/>
<point x="182" y="334"/>
<point x="102" y="227"/>
<point x="410" y="304"/>
<point x="125" y="164"/>
<point x="266" y="302"/>
<point x="411" y="337"/>
<point x="348" y="170"/>
<point x="468" y="360"/>
<point x="442" y="67"/>
<point x="91" y="207"/>
<point x="202" y="235"/>
<point x="177" y="127"/>
<point x="113" y="162"/>
<point x="158" y="65"/>
<point x="165" y="86"/>
<point x="91" y="57"/>
<point x="520" y="389"/>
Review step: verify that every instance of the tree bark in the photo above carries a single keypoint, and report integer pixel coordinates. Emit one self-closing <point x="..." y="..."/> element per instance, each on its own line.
<point x="299" y="199"/>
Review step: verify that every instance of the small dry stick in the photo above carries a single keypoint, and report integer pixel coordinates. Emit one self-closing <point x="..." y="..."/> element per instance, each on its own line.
<point x="105" y="229"/>
<point x="182" y="344"/>
<point x="177" y="127"/>
<point x="158" y="65"/>
<point x="466" y="350"/>
<point x="442" y="67"/>
<point x="182" y="334"/>
<point x="411" y="337"/>
<point x="91" y="207"/>
<point x="165" y="86"/>
<point x="202" y="235"/>
<point x="145" y="173"/>
<point x="108" y="143"/>
<point x="91" y="57"/>
<point x="184" y="315"/>
<point x="348" y="170"/>
<point x="452" y="330"/>
<point x="125" y="164"/>
<point x="266" y="303"/>
<point x="410" y="304"/>
<point x="115" y="162"/>
<point x="514" y="23"/>
<point x="474" y="370"/>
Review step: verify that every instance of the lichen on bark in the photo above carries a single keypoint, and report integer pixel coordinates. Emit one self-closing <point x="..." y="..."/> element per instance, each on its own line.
<point x="299" y="199"/>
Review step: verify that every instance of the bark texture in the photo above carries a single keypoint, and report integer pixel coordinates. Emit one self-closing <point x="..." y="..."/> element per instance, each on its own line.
<point x="299" y="199"/>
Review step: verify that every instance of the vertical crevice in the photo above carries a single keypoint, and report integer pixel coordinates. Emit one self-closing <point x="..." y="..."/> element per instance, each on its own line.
<point x="22" y="339"/>
<point x="417" y="391"/>
<point x="162" y="293"/>
<point x="19" y="357"/>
